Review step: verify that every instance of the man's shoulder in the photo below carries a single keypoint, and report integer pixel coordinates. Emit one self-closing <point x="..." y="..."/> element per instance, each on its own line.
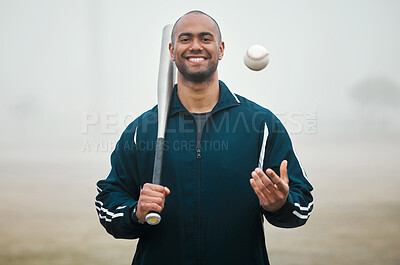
<point x="247" y="104"/>
<point x="258" y="114"/>
<point x="147" y="118"/>
<point x="254" y="107"/>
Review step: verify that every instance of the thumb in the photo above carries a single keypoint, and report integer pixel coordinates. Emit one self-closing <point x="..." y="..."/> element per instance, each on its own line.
<point x="167" y="191"/>
<point x="283" y="170"/>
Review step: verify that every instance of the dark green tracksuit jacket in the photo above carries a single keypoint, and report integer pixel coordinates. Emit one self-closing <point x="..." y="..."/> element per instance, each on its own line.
<point x="212" y="215"/>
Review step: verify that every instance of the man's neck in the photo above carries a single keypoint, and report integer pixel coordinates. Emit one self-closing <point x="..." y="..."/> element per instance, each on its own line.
<point x="198" y="97"/>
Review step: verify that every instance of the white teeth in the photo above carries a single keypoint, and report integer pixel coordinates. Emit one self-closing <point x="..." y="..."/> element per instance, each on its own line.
<point x="196" y="59"/>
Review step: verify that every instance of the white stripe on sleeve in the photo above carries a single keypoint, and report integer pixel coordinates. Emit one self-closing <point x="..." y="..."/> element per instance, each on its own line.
<point x="134" y="136"/>
<point x="300" y="215"/>
<point x="304" y="208"/>
<point x="263" y="147"/>
<point x="301" y="166"/>
<point x="113" y="215"/>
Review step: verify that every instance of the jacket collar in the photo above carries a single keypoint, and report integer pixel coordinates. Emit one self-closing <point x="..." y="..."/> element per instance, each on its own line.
<point x="226" y="99"/>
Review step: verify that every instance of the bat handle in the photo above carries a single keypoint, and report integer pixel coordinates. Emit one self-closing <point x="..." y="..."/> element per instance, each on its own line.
<point x="153" y="218"/>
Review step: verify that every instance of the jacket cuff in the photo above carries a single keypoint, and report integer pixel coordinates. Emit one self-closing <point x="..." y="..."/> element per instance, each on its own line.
<point x="128" y="217"/>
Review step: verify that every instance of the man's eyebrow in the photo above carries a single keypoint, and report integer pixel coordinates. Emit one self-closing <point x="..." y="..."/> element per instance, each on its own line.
<point x="187" y="34"/>
<point x="201" y="34"/>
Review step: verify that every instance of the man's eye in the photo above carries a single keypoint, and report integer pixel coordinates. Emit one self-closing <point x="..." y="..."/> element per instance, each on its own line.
<point x="206" y="39"/>
<point x="185" y="40"/>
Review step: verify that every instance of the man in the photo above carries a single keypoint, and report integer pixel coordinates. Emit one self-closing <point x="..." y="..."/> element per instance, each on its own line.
<point x="220" y="174"/>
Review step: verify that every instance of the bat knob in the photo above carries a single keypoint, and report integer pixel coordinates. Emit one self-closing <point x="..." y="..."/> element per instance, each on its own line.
<point x="153" y="218"/>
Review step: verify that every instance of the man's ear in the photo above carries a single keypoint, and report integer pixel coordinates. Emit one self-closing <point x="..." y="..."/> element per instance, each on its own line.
<point x="221" y="50"/>
<point x="171" y="51"/>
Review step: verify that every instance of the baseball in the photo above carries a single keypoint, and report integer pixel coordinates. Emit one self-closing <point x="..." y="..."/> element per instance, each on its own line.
<point x="256" y="57"/>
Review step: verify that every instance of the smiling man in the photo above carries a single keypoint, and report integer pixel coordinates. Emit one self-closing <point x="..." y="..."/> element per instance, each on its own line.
<point x="229" y="163"/>
<point x="196" y="48"/>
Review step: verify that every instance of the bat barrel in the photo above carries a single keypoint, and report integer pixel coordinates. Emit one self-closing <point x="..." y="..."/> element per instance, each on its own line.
<point x="165" y="81"/>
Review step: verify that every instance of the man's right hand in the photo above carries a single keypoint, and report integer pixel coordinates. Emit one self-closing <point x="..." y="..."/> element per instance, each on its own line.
<point x="151" y="199"/>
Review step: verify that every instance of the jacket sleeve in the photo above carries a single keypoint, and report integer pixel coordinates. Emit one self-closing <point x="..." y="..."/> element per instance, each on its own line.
<point x="299" y="203"/>
<point x="119" y="192"/>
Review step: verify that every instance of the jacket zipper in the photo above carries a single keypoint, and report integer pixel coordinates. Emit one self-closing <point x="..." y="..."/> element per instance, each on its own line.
<point x="198" y="156"/>
<point x="198" y="152"/>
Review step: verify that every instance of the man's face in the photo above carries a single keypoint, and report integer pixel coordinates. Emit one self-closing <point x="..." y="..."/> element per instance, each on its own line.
<point x="196" y="48"/>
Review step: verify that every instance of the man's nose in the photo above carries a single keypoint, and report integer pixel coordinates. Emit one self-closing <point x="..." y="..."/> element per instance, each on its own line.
<point x="196" y="45"/>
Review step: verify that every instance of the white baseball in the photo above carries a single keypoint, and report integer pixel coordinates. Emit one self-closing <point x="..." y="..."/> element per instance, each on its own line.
<point x="256" y="57"/>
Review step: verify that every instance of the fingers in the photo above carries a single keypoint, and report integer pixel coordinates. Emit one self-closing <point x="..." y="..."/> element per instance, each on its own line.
<point x="146" y="207"/>
<point x="262" y="181"/>
<point x="152" y="198"/>
<point x="283" y="170"/>
<point x="258" y="184"/>
<point x="257" y="190"/>
<point x="154" y="187"/>
<point x="280" y="182"/>
<point x="270" y="189"/>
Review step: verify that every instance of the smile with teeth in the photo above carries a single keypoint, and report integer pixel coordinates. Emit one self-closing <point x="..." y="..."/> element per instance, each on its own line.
<point x="196" y="59"/>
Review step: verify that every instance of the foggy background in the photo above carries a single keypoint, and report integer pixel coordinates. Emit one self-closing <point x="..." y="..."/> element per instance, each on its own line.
<point x="73" y="74"/>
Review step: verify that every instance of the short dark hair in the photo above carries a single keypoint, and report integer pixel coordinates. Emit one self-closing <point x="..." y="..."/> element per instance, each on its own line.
<point x="200" y="13"/>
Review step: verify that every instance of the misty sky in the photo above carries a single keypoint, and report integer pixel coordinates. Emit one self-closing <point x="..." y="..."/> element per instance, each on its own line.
<point x="61" y="59"/>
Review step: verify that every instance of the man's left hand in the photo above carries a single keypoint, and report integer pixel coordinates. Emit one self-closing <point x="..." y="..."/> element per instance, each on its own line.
<point x="273" y="191"/>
